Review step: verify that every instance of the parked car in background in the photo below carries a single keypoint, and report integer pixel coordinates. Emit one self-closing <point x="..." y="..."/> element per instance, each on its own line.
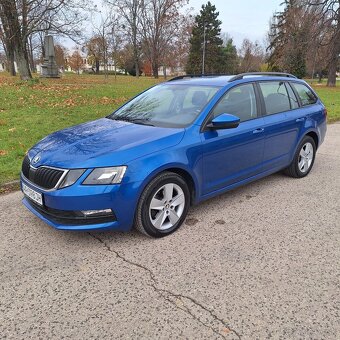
<point x="174" y="145"/>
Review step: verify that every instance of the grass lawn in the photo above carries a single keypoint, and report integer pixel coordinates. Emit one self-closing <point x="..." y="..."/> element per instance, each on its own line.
<point x="31" y="110"/>
<point x="330" y="97"/>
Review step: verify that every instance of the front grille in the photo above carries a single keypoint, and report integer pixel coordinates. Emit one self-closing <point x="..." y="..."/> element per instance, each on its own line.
<point x="26" y="166"/>
<point x="44" y="177"/>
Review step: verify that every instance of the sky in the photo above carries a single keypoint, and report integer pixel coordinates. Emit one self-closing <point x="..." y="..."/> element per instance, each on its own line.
<point x="243" y="18"/>
<point x="240" y="18"/>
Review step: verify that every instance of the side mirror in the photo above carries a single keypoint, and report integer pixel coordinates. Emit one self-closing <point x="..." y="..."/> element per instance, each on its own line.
<point x="224" y="121"/>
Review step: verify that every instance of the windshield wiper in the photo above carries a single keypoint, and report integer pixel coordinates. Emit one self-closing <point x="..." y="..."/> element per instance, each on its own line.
<point x="141" y="121"/>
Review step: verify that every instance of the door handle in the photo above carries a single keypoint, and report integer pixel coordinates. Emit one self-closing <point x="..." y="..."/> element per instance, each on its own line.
<point x="300" y="119"/>
<point x="260" y="130"/>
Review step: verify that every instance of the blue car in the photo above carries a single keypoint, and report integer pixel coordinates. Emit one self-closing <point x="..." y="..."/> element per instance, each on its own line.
<point x="174" y="145"/>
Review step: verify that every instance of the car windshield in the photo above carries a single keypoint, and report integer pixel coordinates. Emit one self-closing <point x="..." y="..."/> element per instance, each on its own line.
<point x="166" y="105"/>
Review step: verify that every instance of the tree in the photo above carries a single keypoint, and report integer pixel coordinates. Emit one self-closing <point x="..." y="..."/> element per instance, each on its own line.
<point x="252" y="56"/>
<point x="76" y="61"/>
<point x="131" y="14"/>
<point x="125" y="60"/>
<point x="95" y="51"/>
<point x="291" y="38"/>
<point x="328" y="13"/>
<point x="16" y="35"/>
<point x="230" y="57"/>
<point x="60" y="56"/>
<point x="161" y="23"/>
<point x="21" y="19"/>
<point x="206" y="43"/>
<point x="7" y="42"/>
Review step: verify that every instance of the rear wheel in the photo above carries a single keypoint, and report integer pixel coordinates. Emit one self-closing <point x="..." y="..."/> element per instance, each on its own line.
<point x="163" y="205"/>
<point x="304" y="159"/>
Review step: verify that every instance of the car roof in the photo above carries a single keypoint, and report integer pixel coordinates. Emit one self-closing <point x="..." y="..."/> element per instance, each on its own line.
<point x="223" y="80"/>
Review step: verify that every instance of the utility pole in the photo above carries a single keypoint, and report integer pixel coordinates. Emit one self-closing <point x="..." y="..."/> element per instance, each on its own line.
<point x="204" y="43"/>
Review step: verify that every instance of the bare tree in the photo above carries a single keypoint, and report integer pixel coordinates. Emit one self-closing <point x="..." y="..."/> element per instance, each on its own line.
<point x="22" y="18"/>
<point x="252" y="56"/>
<point x="160" y="24"/>
<point x="131" y="14"/>
<point x="329" y="15"/>
<point x="106" y="31"/>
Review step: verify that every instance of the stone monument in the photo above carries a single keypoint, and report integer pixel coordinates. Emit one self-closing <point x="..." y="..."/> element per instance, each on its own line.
<point x="49" y="68"/>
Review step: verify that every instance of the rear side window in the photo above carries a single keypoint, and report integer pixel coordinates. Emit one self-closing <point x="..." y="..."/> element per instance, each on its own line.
<point x="239" y="101"/>
<point x="306" y="95"/>
<point x="275" y="96"/>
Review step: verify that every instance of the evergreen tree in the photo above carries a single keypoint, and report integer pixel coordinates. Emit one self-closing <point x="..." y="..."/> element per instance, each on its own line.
<point x="230" y="57"/>
<point x="214" y="57"/>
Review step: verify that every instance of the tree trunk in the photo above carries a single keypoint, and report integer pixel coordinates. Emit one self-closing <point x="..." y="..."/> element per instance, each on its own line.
<point x="333" y="63"/>
<point x="164" y="71"/>
<point x="155" y="69"/>
<point x="21" y="57"/>
<point x="11" y="66"/>
<point x="331" y="82"/>
<point x="31" y="56"/>
<point x="137" y="67"/>
<point x="97" y="66"/>
<point x="335" y="53"/>
<point x="10" y="60"/>
<point x="18" y="39"/>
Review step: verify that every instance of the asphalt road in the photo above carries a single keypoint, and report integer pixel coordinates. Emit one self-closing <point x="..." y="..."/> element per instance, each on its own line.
<point x="259" y="262"/>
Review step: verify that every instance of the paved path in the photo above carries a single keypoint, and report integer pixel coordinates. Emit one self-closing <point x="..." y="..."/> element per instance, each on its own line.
<point x="258" y="262"/>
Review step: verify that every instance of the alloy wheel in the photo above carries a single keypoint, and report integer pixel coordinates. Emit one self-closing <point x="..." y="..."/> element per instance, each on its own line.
<point x="306" y="157"/>
<point x="167" y="206"/>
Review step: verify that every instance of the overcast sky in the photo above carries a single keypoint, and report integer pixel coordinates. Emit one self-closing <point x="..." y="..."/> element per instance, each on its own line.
<point x="240" y="18"/>
<point x="243" y="18"/>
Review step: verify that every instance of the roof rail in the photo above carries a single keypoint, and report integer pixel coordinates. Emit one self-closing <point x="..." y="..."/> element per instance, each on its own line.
<point x="197" y="76"/>
<point x="277" y="74"/>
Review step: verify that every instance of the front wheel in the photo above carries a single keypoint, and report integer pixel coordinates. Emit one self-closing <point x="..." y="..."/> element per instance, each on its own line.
<point x="304" y="159"/>
<point x="163" y="205"/>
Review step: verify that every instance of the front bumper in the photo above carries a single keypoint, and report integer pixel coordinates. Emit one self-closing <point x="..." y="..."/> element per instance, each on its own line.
<point x="62" y="207"/>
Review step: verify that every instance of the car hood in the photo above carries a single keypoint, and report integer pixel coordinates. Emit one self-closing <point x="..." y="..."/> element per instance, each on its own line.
<point x="100" y="143"/>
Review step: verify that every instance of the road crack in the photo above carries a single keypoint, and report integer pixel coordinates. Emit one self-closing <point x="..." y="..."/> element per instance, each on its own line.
<point x="191" y="306"/>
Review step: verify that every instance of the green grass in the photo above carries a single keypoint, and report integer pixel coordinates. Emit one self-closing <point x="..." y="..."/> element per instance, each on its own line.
<point x="31" y="110"/>
<point x="331" y="98"/>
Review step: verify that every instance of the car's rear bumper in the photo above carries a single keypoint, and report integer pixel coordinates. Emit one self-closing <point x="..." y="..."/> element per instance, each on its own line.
<point x="62" y="209"/>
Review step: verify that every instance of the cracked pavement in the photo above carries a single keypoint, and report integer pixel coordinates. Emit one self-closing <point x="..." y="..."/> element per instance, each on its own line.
<point x="258" y="262"/>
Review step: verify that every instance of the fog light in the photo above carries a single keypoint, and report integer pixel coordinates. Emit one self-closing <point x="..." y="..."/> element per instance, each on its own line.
<point x="91" y="213"/>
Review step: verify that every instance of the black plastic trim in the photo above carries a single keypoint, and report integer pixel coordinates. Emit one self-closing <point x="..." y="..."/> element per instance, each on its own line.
<point x="69" y="217"/>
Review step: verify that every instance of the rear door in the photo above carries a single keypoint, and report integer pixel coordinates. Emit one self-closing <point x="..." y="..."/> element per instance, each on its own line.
<point x="233" y="155"/>
<point x="283" y="121"/>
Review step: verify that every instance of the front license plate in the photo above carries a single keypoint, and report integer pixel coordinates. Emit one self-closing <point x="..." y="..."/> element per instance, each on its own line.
<point x="32" y="194"/>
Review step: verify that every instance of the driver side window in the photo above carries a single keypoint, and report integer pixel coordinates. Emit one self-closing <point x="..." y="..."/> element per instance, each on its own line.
<point x="239" y="101"/>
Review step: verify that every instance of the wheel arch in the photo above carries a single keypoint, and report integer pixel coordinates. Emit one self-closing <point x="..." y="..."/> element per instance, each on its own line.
<point x="311" y="133"/>
<point x="315" y="137"/>
<point x="180" y="170"/>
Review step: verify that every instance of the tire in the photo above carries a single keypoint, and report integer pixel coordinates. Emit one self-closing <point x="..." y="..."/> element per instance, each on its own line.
<point x="306" y="147"/>
<point x="163" y="205"/>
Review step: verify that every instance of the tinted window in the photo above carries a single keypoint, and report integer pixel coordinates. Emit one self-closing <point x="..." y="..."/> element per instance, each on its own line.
<point x="275" y="97"/>
<point x="306" y="95"/>
<point x="239" y="101"/>
<point x="293" y="100"/>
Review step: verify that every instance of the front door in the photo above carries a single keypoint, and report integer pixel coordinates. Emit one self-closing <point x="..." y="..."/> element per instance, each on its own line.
<point x="233" y="155"/>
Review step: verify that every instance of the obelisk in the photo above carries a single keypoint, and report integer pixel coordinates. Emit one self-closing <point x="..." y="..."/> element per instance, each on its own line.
<point x="49" y="68"/>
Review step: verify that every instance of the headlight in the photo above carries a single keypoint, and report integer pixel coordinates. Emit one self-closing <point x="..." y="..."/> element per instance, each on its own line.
<point x="105" y="175"/>
<point x="71" y="177"/>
